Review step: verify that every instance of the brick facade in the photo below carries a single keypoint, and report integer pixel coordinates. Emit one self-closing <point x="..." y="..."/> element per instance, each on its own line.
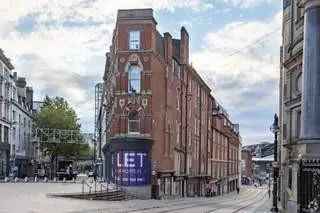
<point x="247" y="166"/>
<point x="194" y="144"/>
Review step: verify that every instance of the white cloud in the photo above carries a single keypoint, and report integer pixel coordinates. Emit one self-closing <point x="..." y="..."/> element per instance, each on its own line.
<point x="68" y="61"/>
<point x="248" y="3"/>
<point x="241" y="63"/>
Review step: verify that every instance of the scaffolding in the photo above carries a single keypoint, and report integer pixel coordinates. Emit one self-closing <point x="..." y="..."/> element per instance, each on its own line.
<point x="97" y="108"/>
<point x="109" y="93"/>
<point x="104" y="110"/>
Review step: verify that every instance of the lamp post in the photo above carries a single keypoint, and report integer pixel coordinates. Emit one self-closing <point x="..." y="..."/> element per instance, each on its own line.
<point x="275" y="129"/>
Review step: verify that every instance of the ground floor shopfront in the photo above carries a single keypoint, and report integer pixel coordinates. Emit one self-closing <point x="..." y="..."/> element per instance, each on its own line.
<point x="22" y="167"/>
<point x="4" y="160"/>
<point x="128" y="163"/>
<point x="169" y="185"/>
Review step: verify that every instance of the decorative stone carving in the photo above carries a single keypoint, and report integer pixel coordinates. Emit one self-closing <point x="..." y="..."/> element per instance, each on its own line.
<point x="121" y="103"/>
<point x="133" y="58"/>
<point x="122" y="59"/>
<point x="140" y="109"/>
<point x="144" y="102"/>
<point x="146" y="59"/>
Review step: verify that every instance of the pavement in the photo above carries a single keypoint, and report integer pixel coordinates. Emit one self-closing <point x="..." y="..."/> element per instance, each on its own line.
<point x="31" y="198"/>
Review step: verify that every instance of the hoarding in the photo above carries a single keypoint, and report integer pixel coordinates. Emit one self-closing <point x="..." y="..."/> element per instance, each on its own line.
<point x="131" y="168"/>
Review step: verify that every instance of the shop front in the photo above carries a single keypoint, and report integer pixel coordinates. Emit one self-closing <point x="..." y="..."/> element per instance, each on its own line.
<point x="128" y="164"/>
<point x="4" y="160"/>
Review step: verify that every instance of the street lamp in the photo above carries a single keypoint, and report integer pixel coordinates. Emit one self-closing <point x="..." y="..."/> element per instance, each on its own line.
<point x="275" y="129"/>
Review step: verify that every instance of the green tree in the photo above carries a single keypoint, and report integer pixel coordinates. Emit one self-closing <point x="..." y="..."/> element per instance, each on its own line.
<point x="56" y="113"/>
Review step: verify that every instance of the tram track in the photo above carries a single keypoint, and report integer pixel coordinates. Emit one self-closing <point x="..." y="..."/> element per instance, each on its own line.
<point x="249" y="205"/>
<point x="192" y="205"/>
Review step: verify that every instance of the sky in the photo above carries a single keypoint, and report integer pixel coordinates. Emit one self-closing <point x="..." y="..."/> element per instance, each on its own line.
<point x="60" y="46"/>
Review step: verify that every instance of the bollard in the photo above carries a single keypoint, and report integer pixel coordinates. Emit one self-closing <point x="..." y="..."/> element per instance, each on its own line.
<point x="64" y="179"/>
<point x="82" y="186"/>
<point x="54" y="179"/>
<point x="16" y="179"/>
<point x="26" y="179"/>
<point x="35" y="179"/>
<point x="45" y="179"/>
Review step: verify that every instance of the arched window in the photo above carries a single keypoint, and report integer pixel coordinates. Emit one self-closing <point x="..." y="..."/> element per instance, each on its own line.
<point x="133" y="122"/>
<point x="134" y="79"/>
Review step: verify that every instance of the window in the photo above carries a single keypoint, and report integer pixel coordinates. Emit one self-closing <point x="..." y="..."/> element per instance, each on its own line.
<point x="134" y="40"/>
<point x="299" y="83"/>
<point x="6" y="134"/>
<point x="290" y="178"/>
<point x="285" y="131"/>
<point x="14" y="133"/>
<point x="133" y="122"/>
<point x="134" y="79"/>
<point x="285" y="91"/>
<point x="13" y="93"/>
<point x="14" y="117"/>
<point x="298" y="124"/>
<point x="300" y="13"/>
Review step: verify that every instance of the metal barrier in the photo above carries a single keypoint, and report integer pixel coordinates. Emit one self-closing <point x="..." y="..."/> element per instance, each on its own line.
<point x="95" y="186"/>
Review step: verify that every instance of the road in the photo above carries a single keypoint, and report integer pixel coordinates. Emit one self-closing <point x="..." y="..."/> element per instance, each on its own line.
<point x="31" y="197"/>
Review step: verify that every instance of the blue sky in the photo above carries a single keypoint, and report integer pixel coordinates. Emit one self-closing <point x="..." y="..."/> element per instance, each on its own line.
<point x="59" y="46"/>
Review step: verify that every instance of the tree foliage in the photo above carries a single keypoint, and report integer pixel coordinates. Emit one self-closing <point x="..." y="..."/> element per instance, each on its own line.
<point x="56" y="113"/>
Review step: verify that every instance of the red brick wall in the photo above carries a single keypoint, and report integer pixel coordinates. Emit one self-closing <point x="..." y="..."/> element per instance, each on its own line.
<point x="175" y="112"/>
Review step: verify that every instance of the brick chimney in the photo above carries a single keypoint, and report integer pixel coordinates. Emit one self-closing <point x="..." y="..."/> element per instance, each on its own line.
<point x="184" y="46"/>
<point x="167" y="47"/>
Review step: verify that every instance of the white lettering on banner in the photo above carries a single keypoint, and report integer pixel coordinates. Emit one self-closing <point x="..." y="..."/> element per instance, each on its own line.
<point x="141" y="158"/>
<point x="118" y="160"/>
<point x="130" y="160"/>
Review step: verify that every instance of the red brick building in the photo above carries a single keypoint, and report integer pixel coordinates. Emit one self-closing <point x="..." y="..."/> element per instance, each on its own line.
<point x="168" y="134"/>
<point x="247" y="166"/>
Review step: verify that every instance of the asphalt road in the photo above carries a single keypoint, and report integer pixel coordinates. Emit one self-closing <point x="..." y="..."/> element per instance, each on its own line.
<point x="31" y="197"/>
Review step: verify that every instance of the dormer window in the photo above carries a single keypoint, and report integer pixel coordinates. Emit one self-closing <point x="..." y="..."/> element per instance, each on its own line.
<point x="134" y="40"/>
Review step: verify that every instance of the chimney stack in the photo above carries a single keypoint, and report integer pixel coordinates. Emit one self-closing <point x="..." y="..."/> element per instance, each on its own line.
<point x="167" y="47"/>
<point x="184" y="46"/>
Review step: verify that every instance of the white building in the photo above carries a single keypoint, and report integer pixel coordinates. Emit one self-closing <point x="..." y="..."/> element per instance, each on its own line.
<point x="6" y="82"/>
<point x="22" y="149"/>
<point x="16" y="150"/>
